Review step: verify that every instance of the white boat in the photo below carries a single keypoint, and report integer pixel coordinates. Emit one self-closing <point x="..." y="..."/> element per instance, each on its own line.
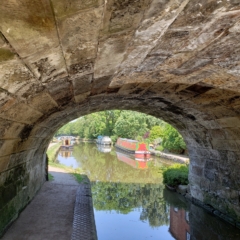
<point x="104" y="140"/>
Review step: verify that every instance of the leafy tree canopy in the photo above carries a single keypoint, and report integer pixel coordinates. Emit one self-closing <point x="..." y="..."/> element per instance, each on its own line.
<point x="125" y="124"/>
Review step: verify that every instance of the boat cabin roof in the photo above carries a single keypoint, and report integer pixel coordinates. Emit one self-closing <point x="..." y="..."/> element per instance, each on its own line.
<point x="129" y="140"/>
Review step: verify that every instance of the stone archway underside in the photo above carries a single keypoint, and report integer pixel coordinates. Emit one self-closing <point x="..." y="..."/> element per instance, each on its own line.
<point x="178" y="60"/>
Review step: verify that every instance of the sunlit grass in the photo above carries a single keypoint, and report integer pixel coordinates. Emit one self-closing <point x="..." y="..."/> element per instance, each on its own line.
<point x="51" y="153"/>
<point x="50" y="177"/>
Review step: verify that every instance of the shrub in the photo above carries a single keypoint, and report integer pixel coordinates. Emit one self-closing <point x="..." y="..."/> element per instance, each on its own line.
<point x="114" y="138"/>
<point x="159" y="148"/>
<point x="175" y="175"/>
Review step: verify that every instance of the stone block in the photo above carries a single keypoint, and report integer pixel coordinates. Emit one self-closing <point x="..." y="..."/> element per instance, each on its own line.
<point x="232" y="133"/>
<point x="111" y="54"/>
<point x="43" y="103"/>
<point x="25" y="113"/>
<point x="220" y="144"/>
<point x="209" y="174"/>
<point x="8" y="146"/>
<point x="7" y="194"/>
<point x="82" y="84"/>
<point x="233" y="157"/>
<point x="9" y="129"/>
<point x="214" y="154"/>
<point x="198" y="171"/>
<point x="4" y="163"/>
<point x="211" y="165"/>
<point x="229" y="122"/>
<point x="20" y="158"/>
<point x="7" y="215"/>
<point x="196" y="193"/>
<point x="60" y="90"/>
<point x="39" y="131"/>
<point x="217" y="133"/>
<point x="211" y="124"/>
<point x="205" y="185"/>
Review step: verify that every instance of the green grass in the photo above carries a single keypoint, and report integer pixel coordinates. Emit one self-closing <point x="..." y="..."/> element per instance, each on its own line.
<point x="50" y="177"/>
<point x="52" y="152"/>
<point x="78" y="174"/>
<point x="176" y="174"/>
<point x="78" y="177"/>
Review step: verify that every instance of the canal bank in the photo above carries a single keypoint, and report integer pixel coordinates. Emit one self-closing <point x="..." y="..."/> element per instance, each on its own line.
<point x="61" y="210"/>
<point x="171" y="156"/>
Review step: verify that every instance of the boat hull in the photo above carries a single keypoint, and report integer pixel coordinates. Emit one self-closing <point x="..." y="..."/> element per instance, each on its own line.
<point x="140" y="150"/>
<point x="64" y="147"/>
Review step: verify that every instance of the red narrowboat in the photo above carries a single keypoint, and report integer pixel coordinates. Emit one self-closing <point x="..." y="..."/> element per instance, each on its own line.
<point x="140" y="150"/>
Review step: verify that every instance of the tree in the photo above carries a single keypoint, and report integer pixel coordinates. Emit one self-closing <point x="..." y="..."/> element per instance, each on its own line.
<point x="172" y="140"/>
<point x="125" y="124"/>
<point x="156" y="132"/>
<point x="130" y="125"/>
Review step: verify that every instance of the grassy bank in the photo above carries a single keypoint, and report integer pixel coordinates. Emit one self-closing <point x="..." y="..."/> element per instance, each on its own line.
<point x="52" y="153"/>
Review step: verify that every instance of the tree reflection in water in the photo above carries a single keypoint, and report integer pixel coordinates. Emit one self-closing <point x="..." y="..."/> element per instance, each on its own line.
<point x="120" y="188"/>
<point x="124" y="197"/>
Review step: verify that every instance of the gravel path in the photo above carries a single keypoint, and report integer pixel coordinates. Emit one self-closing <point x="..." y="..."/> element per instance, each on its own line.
<point x="61" y="177"/>
<point x="50" y="213"/>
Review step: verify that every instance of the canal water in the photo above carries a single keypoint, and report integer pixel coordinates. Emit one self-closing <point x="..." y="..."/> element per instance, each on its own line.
<point x="130" y="201"/>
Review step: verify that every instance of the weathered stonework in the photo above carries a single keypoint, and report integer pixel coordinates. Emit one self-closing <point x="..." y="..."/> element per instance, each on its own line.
<point x="176" y="60"/>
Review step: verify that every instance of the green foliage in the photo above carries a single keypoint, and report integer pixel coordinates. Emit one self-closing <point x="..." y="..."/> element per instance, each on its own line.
<point x="78" y="177"/>
<point x="175" y="175"/>
<point x="172" y="140"/>
<point x="50" y="177"/>
<point x="156" y="132"/>
<point x="130" y="125"/>
<point x="159" y="148"/>
<point x="114" y="138"/>
<point x="114" y="123"/>
<point x="126" y="124"/>
<point x="77" y="173"/>
<point x="123" y="197"/>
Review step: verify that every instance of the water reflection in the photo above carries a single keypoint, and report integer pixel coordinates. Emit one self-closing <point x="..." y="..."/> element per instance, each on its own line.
<point x="179" y="223"/>
<point x="130" y="202"/>
<point x="104" y="148"/>
<point x="65" y="157"/>
<point x="66" y="153"/>
<point x="124" y="198"/>
<point x="140" y="163"/>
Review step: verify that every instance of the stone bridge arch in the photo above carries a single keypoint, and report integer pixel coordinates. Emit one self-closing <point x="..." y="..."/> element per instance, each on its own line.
<point x="177" y="60"/>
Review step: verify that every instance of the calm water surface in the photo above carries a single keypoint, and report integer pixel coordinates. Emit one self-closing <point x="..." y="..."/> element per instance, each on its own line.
<point x="130" y="201"/>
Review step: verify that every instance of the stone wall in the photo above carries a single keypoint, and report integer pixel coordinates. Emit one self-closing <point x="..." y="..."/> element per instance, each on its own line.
<point x="18" y="185"/>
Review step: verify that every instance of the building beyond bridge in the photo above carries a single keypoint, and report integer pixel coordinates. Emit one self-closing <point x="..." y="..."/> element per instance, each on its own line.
<point x="177" y="60"/>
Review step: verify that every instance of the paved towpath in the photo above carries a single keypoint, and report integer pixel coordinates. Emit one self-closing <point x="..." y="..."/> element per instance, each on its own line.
<point x="50" y="214"/>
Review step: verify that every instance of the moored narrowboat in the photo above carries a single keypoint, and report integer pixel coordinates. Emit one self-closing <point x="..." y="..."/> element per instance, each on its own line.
<point x="67" y="142"/>
<point x="140" y="150"/>
<point x="104" y="140"/>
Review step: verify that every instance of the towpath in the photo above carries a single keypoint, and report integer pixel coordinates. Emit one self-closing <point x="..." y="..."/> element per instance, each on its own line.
<point x="50" y="213"/>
